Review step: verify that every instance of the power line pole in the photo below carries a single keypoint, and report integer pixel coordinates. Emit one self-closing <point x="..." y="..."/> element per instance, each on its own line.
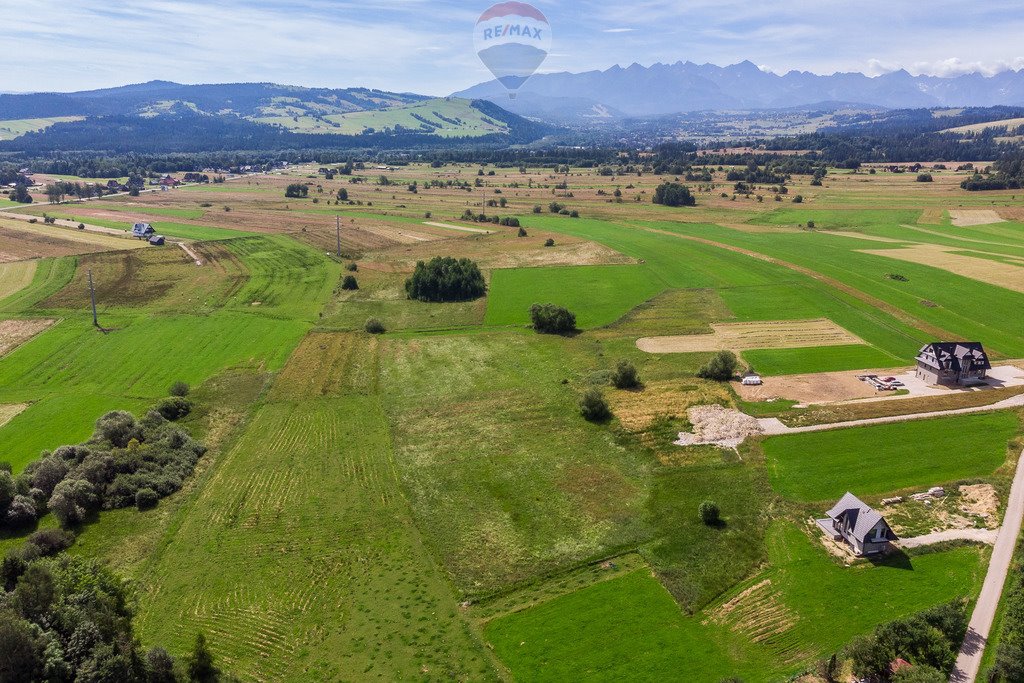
<point x="92" y="296"/>
<point x="338" y="225"/>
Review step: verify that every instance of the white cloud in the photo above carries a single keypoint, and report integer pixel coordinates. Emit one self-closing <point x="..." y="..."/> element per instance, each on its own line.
<point x="618" y="30"/>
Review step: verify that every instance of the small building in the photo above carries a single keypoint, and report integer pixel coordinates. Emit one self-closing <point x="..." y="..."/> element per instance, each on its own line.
<point x="859" y="526"/>
<point x="157" y="240"/>
<point x="168" y="181"/>
<point x="143" y="230"/>
<point x="953" y="363"/>
<point x="752" y="379"/>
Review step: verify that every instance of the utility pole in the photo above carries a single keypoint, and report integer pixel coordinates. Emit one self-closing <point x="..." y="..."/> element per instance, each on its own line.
<point x="92" y="296"/>
<point x="338" y="226"/>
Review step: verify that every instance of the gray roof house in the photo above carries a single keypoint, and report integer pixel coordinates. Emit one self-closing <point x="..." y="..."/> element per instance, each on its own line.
<point x="952" y="363"/>
<point x="143" y="230"/>
<point x="864" y="529"/>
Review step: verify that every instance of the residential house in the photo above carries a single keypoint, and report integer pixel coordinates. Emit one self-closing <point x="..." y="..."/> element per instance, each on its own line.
<point x="859" y="526"/>
<point x="953" y="363"/>
<point x="143" y="230"/>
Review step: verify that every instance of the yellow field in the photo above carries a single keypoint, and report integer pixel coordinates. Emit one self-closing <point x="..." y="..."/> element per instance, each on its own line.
<point x="784" y="334"/>
<point x="15" y="276"/>
<point x="1001" y="273"/>
<point x="979" y="127"/>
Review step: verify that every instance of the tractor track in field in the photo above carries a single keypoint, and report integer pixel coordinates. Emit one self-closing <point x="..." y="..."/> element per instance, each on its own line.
<point x="894" y="311"/>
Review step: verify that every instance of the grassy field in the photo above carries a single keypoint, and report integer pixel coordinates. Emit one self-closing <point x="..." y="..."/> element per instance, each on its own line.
<point x="821" y="466"/>
<point x="429" y="503"/>
<point x="14" y="128"/>
<point x="618" y="628"/>
<point x="464" y="120"/>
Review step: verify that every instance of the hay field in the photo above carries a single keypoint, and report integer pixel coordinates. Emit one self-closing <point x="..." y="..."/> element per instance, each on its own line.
<point x="964" y="219"/>
<point x="783" y="334"/>
<point x="1008" y="274"/>
<point x="15" y="276"/>
<point x="20" y="240"/>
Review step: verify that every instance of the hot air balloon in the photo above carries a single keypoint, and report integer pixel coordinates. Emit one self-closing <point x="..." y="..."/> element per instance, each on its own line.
<point x="512" y="39"/>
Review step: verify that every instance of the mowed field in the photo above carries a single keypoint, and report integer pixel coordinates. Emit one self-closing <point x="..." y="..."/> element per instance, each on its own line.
<point x="428" y="504"/>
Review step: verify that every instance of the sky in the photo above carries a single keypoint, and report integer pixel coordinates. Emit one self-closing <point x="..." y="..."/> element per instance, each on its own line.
<point x="426" y="46"/>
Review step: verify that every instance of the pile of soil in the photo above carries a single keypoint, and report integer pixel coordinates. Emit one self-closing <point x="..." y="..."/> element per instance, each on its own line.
<point x="718" y="426"/>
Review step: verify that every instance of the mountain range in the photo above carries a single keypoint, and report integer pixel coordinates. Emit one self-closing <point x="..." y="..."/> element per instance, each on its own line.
<point x="650" y="91"/>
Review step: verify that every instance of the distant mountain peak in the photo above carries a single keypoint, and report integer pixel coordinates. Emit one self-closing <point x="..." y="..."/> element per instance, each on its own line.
<point x="662" y="89"/>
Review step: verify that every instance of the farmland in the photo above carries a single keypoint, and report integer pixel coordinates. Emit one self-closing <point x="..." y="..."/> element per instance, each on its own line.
<point x="427" y="502"/>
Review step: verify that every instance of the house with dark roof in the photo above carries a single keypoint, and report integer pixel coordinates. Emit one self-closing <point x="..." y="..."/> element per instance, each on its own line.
<point x="953" y="363"/>
<point x="143" y="230"/>
<point x="862" y="528"/>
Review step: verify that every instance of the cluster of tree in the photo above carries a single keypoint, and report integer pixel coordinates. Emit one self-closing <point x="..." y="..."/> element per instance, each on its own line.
<point x="507" y="221"/>
<point x="721" y="368"/>
<point x="754" y="173"/>
<point x="126" y="462"/>
<point x="70" y="619"/>
<point x="1008" y="175"/>
<point x="928" y="640"/>
<point x="552" y="319"/>
<point x="674" y="194"/>
<point x="297" y="191"/>
<point x="1009" y="665"/>
<point x="446" y="279"/>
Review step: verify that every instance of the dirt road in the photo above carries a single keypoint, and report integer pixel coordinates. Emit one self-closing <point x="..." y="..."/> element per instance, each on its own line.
<point x="969" y="661"/>
<point x="980" y="535"/>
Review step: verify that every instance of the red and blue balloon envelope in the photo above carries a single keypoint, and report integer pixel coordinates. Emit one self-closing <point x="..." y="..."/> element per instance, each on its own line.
<point x="512" y="39"/>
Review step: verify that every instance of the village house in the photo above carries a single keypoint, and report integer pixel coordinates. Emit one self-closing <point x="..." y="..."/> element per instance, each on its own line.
<point x="143" y="230"/>
<point x="953" y="363"/>
<point x="859" y="526"/>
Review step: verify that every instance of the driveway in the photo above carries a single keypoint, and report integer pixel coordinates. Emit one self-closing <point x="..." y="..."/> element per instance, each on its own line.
<point x="988" y="536"/>
<point x="969" y="661"/>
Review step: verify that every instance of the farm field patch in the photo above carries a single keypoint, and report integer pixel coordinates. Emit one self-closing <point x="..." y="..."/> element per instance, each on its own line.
<point x="20" y="240"/>
<point x="14" y="333"/>
<point x="15" y="128"/>
<point x="789" y="334"/>
<point x="880" y="459"/>
<point x="762" y="631"/>
<point x="15" y="277"/>
<point x="10" y="411"/>
<point x="966" y="218"/>
<point x="1004" y="274"/>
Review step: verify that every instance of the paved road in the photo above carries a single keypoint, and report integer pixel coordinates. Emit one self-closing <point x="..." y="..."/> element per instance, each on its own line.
<point x="980" y="535"/>
<point x="969" y="661"/>
<point x="773" y="426"/>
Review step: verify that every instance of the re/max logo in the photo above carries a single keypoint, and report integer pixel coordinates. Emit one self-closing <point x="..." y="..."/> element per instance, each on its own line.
<point x="512" y="30"/>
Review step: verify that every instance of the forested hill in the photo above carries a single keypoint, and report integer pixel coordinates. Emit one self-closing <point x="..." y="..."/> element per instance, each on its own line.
<point x="242" y="99"/>
<point x="191" y="132"/>
<point x="163" y="116"/>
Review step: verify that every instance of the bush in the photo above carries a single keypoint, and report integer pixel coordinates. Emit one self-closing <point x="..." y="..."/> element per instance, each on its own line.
<point x="349" y="283"/>
<point x="537" y="209"/>
<point x="625" y="376"/>
<point x="799" y="199"/>
<point x="179" y="389"/>
<point x="549" y="242"/>
<point x="552" y="319"/>
<point x="674" y="194"/>
<point x="352" y="267"/>
<point x="925" y="178"/>
<point x="721" y="368"/>
<point x="446" y="279"/>
<point x="21" y="512"/>
<point x="594" y="408"/>
<point x="522" y="232"/>
<point x="709" y="513"/>
<point x="146" y="499"/>
<point x="174" y="408"/>
<point x="117" y="428"/>
<point x="296" y="191"/>
<point x="375" y="326"/>
<point x="51" y="541"/>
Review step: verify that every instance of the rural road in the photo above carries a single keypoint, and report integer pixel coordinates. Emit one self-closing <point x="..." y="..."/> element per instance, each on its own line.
<point x="980" y="535"/>
<point x="773" y="426"/>
<point x="969" y="661"/>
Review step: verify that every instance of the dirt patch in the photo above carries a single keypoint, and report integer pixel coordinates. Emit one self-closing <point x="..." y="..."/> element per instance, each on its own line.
<point x="717" y="426"/>
<point x="10" y="411"/>
<point x="783" y="334"/>
<point x="14" y="333"/>
<point x="640" y="410"/>
<point x="964" y="219"/>
<point x="861" y="236"/>
<point x="987" y="270"/>
<point x="822" y="387"/>
<point x="981" y="500"/>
